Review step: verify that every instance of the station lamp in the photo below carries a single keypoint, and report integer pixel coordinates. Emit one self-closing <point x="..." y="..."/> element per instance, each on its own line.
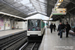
<point x="58" y="4"/>
<point x="60" y="1"/>
<point x="56" y="7"/>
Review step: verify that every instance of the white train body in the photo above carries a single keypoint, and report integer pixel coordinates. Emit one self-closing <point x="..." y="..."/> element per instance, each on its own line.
<point x="35" y="29"/>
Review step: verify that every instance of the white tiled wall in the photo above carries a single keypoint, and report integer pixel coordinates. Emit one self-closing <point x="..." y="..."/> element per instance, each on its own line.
<point x="21" y="25"/>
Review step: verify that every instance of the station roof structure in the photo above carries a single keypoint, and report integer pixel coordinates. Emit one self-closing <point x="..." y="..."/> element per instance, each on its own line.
<point x="38" y="16"/>
<point x="27" y="8"/>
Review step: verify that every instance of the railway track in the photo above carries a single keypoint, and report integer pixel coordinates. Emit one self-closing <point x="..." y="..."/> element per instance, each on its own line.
<point x="17" y="40"/>
<point x="30" y="46"/>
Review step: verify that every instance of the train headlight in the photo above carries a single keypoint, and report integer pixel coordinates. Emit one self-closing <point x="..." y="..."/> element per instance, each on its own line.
<point x="29" y="29"/>
<point x="39" y="34"/>
<point x="28" y="34"/>
<point x="38" y="29"/>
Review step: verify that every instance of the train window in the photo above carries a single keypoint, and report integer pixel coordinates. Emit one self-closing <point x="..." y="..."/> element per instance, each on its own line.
<point x="34" y="25"/>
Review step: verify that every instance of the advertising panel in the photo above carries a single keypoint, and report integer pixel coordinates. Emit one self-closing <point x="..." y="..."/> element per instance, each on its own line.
<point x="1" y="24"/>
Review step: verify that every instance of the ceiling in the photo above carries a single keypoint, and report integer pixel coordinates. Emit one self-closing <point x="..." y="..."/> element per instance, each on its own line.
<point x="23" y="8"/>
<point x="26" y="8"/>
<point x="70" y="5"/>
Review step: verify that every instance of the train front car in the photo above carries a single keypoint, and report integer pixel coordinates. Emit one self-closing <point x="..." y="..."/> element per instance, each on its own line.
<point x="35" y="30"/>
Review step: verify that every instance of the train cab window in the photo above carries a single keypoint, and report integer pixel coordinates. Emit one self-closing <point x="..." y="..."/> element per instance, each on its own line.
<point x="34" y="25"/>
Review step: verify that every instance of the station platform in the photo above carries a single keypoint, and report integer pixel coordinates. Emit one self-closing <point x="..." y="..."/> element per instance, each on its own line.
<point x="51" y="41"/>
<point x="10" y="32"/>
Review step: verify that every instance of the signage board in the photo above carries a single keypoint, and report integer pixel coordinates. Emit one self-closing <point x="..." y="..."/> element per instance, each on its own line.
<point x="59" y="11"/>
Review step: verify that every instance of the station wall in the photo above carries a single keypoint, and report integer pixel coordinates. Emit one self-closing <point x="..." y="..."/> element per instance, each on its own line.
<point x="1" y="24"/>
<point x="7" y="24"/>
<point x="21" y="25"/>
<point x="12" y="23"/>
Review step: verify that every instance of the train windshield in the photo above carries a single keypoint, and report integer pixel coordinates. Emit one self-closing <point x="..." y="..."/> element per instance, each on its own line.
<point x="34" y="25"/>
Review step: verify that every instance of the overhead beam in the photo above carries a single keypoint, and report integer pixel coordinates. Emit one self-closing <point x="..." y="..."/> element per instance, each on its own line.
<point x="71" y="9"/>
<point x="33" y="5"/>
<point x="43" y="14"/>
<point x="1" y="16"/>
<point x="42" y="2"/>
<point x="32" y="14"/>
<point x="39" y="5"/>
<point x="47" y="7"/>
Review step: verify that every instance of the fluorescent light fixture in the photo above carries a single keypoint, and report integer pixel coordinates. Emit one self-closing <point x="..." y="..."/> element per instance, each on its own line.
<point x="56" y="7"/>
<point x="51" y="18"/>
<point x="11" y="15"/>
<point x="58" y="4"/>
<point x="60" y="0"/>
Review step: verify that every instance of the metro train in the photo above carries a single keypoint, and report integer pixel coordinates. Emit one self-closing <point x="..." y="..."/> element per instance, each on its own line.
<point x="35" y="29"/>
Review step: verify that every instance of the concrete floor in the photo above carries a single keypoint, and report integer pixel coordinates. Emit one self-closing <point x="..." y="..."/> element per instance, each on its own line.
<point x="54" y="42"/>
<point x="8" y="32"/>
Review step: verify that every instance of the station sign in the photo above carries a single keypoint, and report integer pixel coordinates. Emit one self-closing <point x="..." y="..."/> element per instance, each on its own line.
<point x="59" y="11"/>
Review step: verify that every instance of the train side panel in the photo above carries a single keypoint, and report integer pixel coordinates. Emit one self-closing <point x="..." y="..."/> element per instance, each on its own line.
<point x="42" y="27"/>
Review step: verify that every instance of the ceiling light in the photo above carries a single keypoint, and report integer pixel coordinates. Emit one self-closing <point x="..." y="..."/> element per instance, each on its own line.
<point x="60" y="0"/>
<point x="56" y="7"/>
<point x="51" y="18"/>
<point x="58" y="4"/>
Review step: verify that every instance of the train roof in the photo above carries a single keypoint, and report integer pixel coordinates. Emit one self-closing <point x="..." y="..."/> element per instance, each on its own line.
<point x="34" y="19"/>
